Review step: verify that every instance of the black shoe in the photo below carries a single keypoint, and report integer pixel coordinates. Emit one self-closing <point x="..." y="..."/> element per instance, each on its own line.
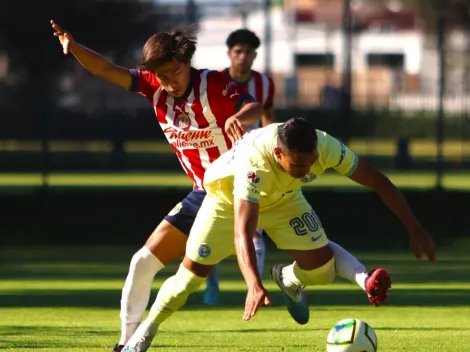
<point x="117" y="348"/>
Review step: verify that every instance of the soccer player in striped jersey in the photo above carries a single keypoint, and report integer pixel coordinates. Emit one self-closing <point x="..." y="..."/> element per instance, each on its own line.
<point x="242" y="45"/>
<point x="201" y="113"/>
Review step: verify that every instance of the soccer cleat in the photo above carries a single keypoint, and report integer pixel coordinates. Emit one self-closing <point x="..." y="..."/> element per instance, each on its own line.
<point x="138" y="349"/>
<point x="377" y="284"/>
<point x="211" y="295"/>
<point x="117" y="348"/>
<point x="295" y="299"/>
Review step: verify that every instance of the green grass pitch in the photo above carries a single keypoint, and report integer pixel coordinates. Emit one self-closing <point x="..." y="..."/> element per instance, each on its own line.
<point x="67" y="299"/>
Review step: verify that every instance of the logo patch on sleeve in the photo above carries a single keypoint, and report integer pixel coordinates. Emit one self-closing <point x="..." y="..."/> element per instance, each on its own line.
<point x="252" y="177"/>
<point x="308" y="178"/>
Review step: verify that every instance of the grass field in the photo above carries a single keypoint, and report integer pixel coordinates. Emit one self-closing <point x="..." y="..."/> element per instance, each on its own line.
<point x="417" y="180"/>
<point x="66" y="299"/>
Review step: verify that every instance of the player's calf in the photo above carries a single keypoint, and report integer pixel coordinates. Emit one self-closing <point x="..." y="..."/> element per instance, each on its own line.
<point x="171" y="297"/>
<point x="291" y="279"/>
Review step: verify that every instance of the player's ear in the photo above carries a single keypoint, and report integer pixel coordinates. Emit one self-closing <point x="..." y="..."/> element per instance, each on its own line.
<point x="255" y="55"/>
<point x="277" y="152"/>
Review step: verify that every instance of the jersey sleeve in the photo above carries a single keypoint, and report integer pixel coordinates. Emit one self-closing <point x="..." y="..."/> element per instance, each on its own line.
<point x="248" y="184"/>
<point x="225" y="96"/>
<point x="338" y="156"/>
<point x="144" y="83"/>
<point x="268" y="104"/>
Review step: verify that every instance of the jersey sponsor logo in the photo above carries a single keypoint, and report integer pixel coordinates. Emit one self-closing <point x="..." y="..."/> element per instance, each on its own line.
<point x="176" y="209"/>
<point x="342" y="155"/>
<point x="190" y="139"/>
<point x="288" y="192"/>
<point x="204" y="251"/>
<point x="227" y="88"/>
<point x="308" y="178"/>
<point x="318" y="237"/>
<point x="234" y="95"/>
<point x="252" y="177"/>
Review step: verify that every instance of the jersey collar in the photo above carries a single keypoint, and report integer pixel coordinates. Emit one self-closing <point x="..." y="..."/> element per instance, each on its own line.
<point x="227" y="72"/>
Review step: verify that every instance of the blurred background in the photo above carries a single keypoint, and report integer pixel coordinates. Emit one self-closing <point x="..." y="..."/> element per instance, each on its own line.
<point x="390" y="78"/>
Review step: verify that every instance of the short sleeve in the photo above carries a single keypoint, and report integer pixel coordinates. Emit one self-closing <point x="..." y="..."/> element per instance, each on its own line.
<point x="249" y="184"/>
<point x="225" y="96"/>
<point x="144" y="83"/>
<point x="268" y="104"/>
<point x="339" y="157"/>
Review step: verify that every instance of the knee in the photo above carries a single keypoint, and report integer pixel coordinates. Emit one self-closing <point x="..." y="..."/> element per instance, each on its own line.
<point x="145" y="260"/>
<point x="186" y="282"/>
<point x="323" y="275"/>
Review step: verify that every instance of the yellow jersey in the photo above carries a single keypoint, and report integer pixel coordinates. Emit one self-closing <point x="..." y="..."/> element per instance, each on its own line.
<point x="251" y="172"/>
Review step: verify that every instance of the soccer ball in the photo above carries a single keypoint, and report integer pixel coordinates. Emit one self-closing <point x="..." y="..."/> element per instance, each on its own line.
<point x="351" y="335"/>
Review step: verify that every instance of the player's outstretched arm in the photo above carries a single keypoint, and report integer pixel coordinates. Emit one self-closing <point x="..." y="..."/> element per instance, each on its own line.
<point x="420" y="239"/>
<point x="249" y="112"/>
<point x="268" y="117"/>
<point x="92" y="61"/>
<point x="246" y="219"/>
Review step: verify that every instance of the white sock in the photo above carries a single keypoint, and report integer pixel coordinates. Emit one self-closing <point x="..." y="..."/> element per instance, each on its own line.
<point x="171" y="297"/>
<point x="347" y="266"/>
<point x="260" y="249"/>
<point x="136" y="292"/>
<point x="289" y="279"/>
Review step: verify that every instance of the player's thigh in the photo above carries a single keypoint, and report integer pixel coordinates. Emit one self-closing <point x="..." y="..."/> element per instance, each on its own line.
<point x="294" y="225"/>
<point x="168" y="240"/>
<point x="211" y="238"/>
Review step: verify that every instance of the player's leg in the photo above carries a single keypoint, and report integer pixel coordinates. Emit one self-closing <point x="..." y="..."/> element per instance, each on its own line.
<point x="375" y="283"/>
<point x="210" y="241"/>
<point x="166" y="243"/>
<point x="295" y="227"/>
<point x="260" y="249"/>
<point x="211" y="293"/>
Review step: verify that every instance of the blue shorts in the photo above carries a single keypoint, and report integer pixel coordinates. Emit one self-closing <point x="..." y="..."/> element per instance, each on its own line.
<point x="183" y="214"/>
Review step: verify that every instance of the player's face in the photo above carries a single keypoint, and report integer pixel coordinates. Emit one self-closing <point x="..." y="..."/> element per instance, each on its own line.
<point x="242" y="57"/>
<point x="296" y="164"/>
<point x="174" y="77"/>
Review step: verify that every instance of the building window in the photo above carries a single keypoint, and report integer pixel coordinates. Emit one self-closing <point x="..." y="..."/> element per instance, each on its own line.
<point x="315" y="60"/>
<point x="392" y="60"/>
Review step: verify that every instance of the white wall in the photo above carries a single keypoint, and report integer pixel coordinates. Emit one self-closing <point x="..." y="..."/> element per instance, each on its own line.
<point x="212" y="52"/>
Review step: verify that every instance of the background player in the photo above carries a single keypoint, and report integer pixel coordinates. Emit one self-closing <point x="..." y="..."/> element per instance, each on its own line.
<point x="259" y="182"/>
<point x="242" y="45"/>
<point x="204" y="107"/>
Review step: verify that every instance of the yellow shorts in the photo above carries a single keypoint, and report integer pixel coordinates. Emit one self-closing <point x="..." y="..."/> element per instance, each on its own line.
<point x="292" y="226"/>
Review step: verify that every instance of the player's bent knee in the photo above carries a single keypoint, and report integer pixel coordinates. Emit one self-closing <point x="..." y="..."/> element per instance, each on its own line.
<point x="323" y="275"/>
<point x="186" y="282"/>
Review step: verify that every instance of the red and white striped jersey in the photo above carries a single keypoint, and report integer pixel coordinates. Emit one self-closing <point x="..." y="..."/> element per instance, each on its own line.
<point x="194" y="124"/>
<point x="261" y="87"/>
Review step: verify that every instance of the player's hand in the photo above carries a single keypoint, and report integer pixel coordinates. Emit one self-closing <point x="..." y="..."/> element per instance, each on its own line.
<point x="255" y="297"/>
<point x="421" y="241"/>
<point x="234" y="129"/>
<point x="64" y="37"/>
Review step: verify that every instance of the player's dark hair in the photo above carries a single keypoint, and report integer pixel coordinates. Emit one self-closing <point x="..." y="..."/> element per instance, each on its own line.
<point x="179" y="45"/>
<point x="243" y="36"/>
<point x="297" y="134"/>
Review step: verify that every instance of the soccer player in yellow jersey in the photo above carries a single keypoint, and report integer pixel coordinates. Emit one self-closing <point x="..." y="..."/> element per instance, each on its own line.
<point x="258" y="184"/>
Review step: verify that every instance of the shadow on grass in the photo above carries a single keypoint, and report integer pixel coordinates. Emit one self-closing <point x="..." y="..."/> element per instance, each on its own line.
<point x="403" y="271"/>
<point x="318" y="299"/>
